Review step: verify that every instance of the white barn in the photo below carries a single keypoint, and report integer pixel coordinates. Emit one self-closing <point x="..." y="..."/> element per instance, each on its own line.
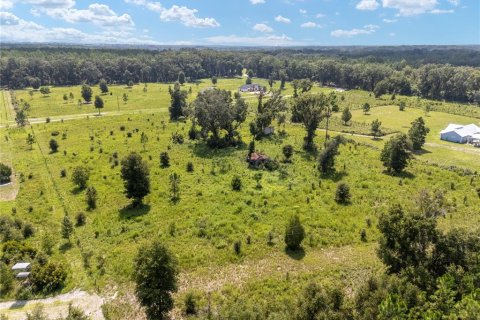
<point x="459" y="133"/>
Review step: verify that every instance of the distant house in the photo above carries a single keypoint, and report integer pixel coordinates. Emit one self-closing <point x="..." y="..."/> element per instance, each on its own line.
<point x="256" y="159"/>
<point x="21" y="270"/>
<point x="254" y="87"/>
<point x="460" y="134"/>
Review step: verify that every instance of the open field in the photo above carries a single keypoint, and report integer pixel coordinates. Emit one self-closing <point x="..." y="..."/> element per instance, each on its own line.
<point x="202" y="227"/>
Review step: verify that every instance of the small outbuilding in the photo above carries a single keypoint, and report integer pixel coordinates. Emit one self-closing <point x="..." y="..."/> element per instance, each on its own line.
<point x="254" y="87"/>
<point x="257" y="159"/>
<point x="21" y="270"/>
<point x="460" y="133"/>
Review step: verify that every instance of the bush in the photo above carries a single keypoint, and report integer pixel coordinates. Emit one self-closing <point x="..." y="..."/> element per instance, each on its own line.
<point x="63" y="173"/>
<point x="287" y="152"/>
<point x="237" y="247"/>
<point x="294" y="233"/>
<point x="5" y="173"/>
<point x="48" y="278"/>
<point x="91" y="196"/>
<point x="53" y="145"/>
<point x="81" y="219"/>
<point x="342" y="194"/>
<point x="80" y="177"/>
<point x="177" y="138"/>
<point x="236" y="183"/>
<point x="189" y="166"/>
<point x="164" y="160"/>
<point x="190" y="304"/>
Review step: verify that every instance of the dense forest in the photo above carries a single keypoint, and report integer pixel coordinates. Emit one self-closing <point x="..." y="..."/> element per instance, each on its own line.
<point x="438" y="74"/>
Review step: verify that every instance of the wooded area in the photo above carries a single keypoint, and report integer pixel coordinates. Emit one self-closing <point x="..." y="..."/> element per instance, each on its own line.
<point x="443" y="74"/>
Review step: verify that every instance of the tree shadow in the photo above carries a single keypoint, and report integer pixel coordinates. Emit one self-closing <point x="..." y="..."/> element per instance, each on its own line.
<point x="298" y="254"/>
<point x="65" y="247"/>
<point x="403" y="174"/>
<point x="77" y="190"/>
<point x="334" y="176"/>
<point x="421" y="152"/>
<point x="202" y="150"/>
<point x="132" y="211"/>
<point x="18" y="304"/>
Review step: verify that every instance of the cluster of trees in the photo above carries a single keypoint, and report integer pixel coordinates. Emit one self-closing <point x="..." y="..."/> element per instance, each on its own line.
<point x="430" y="78"/>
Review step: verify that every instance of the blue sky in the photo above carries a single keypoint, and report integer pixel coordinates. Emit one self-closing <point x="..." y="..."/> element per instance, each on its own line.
<point x="242" y="22"/>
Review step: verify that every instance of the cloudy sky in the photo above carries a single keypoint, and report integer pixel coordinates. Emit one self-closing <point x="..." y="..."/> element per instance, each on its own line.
<point x="242" y="22"/>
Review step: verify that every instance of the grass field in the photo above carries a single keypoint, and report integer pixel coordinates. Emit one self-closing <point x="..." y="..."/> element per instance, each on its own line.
<point x="201" y="228"/>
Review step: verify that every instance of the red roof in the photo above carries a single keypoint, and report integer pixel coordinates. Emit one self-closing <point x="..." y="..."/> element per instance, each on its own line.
<point x="258" y="157"/>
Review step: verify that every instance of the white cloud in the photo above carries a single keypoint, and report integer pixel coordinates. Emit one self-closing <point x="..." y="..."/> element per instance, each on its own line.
<point x="320" y="15"/>
<point x="262" y="27"/>
<point x="440" y="11"/>
<point x="368" y="29"/>
<point x="6" y="4"/>
<point x="410" y="7"/>
<point x="188" y="17"/>
<point x="302" y="11"/>
<point x="367" y="5"/>
<point x="282" y="19"/>
<point x="270" y="40"/>
<point x="8" y="19"/>
<point x="23" y="30"/>
<point x="50" y="4"/>
<point x="99" y="14"/>
<point x="257" y="1"/>
<point x="390" y="20"/>
<point x="308" y="25"/>
<point x="392" y="34"/>
<point x="454" y="2"/>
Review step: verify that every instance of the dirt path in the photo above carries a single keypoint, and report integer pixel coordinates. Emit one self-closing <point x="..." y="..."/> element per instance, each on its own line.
<point x="56" y="306"/>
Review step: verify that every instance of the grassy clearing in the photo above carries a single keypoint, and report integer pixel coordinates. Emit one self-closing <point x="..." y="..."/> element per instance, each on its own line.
<point x="202" y="227"/>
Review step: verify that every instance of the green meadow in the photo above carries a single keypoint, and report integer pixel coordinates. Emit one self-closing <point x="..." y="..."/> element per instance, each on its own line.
<point x="202" y="227"/>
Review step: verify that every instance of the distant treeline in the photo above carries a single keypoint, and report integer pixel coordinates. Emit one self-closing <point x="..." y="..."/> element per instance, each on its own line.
<point x="382" y="71"/>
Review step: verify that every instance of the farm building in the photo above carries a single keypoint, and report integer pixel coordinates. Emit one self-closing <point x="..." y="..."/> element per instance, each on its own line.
<point x="460" y="134"/>
<point x="254" y="87"/>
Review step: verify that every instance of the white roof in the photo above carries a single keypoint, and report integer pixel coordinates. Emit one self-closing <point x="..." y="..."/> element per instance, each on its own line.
<point x="462" y="130"/>
<point x="22" y="275"/>
<point x="21" y="266"/>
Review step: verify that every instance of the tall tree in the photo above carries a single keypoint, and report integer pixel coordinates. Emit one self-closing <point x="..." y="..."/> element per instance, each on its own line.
<point x="87" y="93"/>
<point x="178" y="101"/>
<point x="175" y="186"/>
<point x="326" y="158"/>
<point x="294" y="233"/>
<point x="417" y="133"/>
<point x="215" y="111"/>
<point x="30" y="140"/>
<point x="395" y="154"/>
<point x="268" y="111"/>
<point x="143" y="139"/>
<point x="98" y="103"/>
<point x="308" y="109"/>
<point x="366" y="107"/>
<point x="67" y="228"/>
<point x="103" y="86"/>
<point x="375" y="128"/>
<point x="346" y="115"/>
<point x="155" y="274"/>
<point x="136" y="178"/>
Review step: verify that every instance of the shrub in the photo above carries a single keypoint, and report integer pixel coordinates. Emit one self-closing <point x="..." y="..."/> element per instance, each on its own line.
<point x="237" y="247"/>
<point x="287" y="152"/>
<point x="81" y="219"/>
<point x="48" y="278"/>
<point x="63" y="173"/>
<point x="5" y="173"/>
<point x="55" y="133"/>
<point x="164" y="160"/>
<point x="363" y="235"/>
<point x="80" y="177"/>
<point x="190" y="166"/>
<point x="28" y="230"/>
<point x="190" y="304"/>
<point x="294" y="233"/>
<point x="342" y="194"/>
<point x="91" y="197"/>
<point x="236" y="183"/>
<point x="53" y="145"/>
<point x="177" y="138"/>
